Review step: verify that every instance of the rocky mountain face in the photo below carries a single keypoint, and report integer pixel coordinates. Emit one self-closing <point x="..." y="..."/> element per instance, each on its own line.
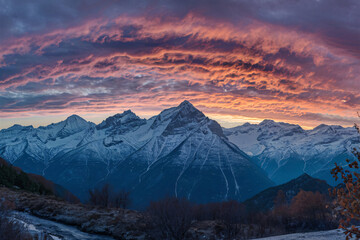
<point x="188" y="156"/>
<point x="179" y="152"/>
<point x="286" y="151"/>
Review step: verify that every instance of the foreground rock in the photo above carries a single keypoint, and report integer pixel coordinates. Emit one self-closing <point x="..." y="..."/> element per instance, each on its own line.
<point x="39" y="228"/>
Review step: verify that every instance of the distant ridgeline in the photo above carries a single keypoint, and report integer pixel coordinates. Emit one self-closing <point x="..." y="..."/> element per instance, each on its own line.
<point x="14" y="177"/>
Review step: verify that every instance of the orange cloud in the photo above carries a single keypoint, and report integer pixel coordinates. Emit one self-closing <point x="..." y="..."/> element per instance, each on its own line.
<point x="251" y="70"/>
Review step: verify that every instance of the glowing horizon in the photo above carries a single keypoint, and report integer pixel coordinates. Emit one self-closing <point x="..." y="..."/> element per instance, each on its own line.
<point x="226" y="121"/>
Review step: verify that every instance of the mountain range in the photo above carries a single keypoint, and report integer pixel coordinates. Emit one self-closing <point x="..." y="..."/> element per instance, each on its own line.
<point x="179" y="152"/>
<point x="286" y="151"/>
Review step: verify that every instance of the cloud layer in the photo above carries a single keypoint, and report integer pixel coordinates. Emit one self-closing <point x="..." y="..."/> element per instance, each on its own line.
<point x="295" y="61"/>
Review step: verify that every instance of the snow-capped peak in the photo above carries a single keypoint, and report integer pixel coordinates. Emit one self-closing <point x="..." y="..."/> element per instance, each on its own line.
<point x="181" y="119"/>
<point x="267" y="122"/>
<point x="18" y="127"/>
<point x="122" y="122"/>
<point x="186" y="107"/>
<point x="76" y="122"/>
<point x="185" y="104"/>
<point x="286" y="150"/>
<point x="73" y="124"/>
<point x="324" y="129"/>
<point x="176" y="117"/>
<point x="75" y="118"/>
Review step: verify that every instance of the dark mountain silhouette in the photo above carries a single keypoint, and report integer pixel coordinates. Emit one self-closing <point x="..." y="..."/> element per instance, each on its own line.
<point x="264" y="200"/>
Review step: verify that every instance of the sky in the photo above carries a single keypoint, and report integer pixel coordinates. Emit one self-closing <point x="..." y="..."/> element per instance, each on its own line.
<point x="236" y="60"/>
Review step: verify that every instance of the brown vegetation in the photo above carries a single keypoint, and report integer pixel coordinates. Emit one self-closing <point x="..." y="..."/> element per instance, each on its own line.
<point x="348" y="197"/>
<point x="179" y="219"/>
<point x="172" y="218"/>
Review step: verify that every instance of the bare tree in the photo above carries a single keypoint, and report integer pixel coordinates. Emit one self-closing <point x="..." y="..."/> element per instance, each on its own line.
<point x="121" y="199"/>
<point x="107" y="197"/>
<point x="99" y="197"/>
<point x="172" y="217"/>
<point x="232" y="213"/>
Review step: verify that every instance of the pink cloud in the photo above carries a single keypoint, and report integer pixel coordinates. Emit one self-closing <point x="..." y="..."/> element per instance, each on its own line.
<point x="254" y="68"/>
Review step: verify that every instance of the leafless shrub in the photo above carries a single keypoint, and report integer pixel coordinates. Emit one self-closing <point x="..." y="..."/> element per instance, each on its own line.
<point x="232" y="213"/>
<point x="121" y="199"/>
<point x="106" y="197"/>
<point x="171" y="217"/>
<point x="100" y="197"/>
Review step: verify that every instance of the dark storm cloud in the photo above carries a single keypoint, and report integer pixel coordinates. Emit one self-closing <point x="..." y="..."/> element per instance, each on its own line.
<point x="335" y="21"/>
<point x="19" y="17"/>
<point x="289" y="84"/>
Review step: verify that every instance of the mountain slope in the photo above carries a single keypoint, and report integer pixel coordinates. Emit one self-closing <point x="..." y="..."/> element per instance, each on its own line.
<point x="179" y="152"/>
<point x="265" y="200"/>
<point x="14" y="177"/>
<point x="190" y="158"/>
<point x="286" y="151"/>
